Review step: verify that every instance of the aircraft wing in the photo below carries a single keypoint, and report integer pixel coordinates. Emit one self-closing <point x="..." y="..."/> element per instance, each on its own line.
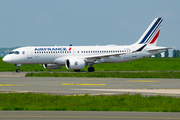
<point x="105" y="55"/>
<point x="159" y="48"/>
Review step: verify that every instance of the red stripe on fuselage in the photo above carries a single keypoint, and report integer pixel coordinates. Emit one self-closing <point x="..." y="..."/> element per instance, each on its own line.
<point x="155" y="37"/>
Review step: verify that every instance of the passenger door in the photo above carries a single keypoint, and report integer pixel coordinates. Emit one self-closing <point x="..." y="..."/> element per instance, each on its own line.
<point x="29" y="53"/>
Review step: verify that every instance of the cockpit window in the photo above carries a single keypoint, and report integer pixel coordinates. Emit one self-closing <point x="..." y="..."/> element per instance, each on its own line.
<point x="14" y="52"/>
<point x="11" y="52"/>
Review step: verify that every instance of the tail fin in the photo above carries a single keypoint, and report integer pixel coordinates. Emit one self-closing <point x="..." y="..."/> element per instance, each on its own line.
<point x="151" y="34"/>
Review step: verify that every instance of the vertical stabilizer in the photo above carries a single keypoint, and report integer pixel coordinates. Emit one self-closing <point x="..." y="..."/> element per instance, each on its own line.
<point x="151" y="34"/>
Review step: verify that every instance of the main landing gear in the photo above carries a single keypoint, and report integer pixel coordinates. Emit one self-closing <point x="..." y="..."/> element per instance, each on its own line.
<point x="18" y="65"/>
<point x="91" y="69"/>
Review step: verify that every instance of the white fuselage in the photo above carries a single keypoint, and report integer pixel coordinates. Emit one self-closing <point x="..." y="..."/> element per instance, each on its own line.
<point x="59" y="54"/>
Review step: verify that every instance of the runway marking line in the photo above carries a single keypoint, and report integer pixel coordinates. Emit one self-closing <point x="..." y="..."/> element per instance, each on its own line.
<point x="141" y="81"/>
<point x="12" y="85"/>
<point x="81" y="84"/>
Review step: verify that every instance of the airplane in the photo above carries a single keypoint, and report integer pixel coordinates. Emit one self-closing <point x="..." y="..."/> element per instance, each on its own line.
<point x="77" y="57"/>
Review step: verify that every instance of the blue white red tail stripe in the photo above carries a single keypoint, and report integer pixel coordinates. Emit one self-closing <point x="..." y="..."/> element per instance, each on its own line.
<point x="155" y="37"/>
<point x="152" y="33"/>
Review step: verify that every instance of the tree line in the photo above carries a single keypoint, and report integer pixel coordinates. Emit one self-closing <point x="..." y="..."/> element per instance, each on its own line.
<point x="176" y="53"/>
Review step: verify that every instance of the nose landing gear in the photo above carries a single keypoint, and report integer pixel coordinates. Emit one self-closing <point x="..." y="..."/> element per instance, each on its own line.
<point x="18" y="65"/>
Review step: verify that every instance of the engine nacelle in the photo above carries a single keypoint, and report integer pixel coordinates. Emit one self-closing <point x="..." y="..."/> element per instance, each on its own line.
<point x="75" y="64"/>
<point x="52" y="66"/>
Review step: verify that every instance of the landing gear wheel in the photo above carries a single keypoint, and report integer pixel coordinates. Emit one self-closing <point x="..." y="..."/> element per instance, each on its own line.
<point x="17" y="70"/>
<point x="91" y="69"/>
<point x="77" y="70"/>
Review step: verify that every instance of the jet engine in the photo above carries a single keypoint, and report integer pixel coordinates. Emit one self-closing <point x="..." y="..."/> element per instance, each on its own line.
<point x="52" y="66"/>
<point x="75" y="64"/>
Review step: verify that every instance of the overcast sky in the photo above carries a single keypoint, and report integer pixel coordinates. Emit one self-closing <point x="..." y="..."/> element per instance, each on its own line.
<point x="86" y="22"/>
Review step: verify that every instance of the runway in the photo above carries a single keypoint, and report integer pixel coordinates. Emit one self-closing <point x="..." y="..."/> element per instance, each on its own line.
<point x="14" y="82"/>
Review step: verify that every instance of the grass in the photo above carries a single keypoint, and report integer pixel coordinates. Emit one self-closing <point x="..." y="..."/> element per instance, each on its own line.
<point x="109" y="74"/>
<point x="125" y="102"/>
<point x="145" y="64"/>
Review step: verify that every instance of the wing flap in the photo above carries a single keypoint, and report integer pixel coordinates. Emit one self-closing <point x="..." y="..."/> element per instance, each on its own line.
<point x="105" y="55"/>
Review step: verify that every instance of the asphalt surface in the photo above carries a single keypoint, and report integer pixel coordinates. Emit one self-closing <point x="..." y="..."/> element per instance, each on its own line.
<point x="16" y="82"/>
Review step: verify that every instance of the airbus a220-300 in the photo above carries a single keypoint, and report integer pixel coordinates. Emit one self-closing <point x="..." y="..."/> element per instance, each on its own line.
<point x="77" y="57"/>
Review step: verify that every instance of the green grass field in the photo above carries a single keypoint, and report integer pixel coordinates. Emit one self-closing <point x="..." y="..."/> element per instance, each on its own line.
<point x="109" y="74"/>
<point x="126" y="102"/>
<point x="145" y="64"/>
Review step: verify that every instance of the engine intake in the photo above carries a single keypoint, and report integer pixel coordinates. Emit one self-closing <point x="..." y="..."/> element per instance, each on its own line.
<point x="75" y="64"/>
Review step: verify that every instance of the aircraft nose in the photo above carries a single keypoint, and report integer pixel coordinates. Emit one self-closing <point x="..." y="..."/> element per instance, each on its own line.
<point x="7" y="59"/>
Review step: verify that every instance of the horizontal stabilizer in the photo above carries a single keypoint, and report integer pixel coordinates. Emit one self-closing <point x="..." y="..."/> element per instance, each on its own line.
<point x="159" y="48"/>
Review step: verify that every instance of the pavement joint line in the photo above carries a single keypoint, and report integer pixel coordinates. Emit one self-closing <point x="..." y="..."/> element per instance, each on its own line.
<point x="141" y="81"/>
<point x="88" y="117"/>
<point x="81" y="84"/>
<point x="95" y="79"/>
